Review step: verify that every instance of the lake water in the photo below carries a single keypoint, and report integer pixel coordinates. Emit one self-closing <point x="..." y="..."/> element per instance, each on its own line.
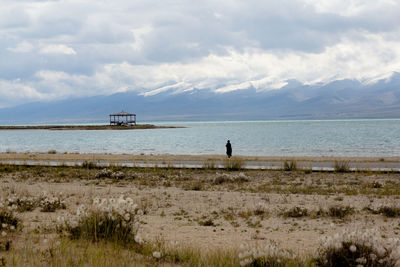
<point x="376" y="138"/>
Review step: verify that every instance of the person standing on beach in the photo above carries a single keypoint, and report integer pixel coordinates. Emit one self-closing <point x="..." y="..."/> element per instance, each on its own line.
<point x="228" y="149"/>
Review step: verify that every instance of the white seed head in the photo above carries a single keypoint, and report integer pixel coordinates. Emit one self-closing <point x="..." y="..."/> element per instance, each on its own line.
<point x="157" y="254"/>
<point x="138" y="239"/>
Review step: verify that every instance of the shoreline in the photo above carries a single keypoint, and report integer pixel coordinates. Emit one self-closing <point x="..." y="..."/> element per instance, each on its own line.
<point x="53" y="158"/>
<point x="190" y="157"/>
<point x="87" y="127"/>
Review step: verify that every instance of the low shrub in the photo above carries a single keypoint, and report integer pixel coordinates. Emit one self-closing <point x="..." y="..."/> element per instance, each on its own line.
<point x="47" y="203"/>
<point x="260" y="210"/>
<point x="388" y="211"/>
<point x="104" y="173"/>
<point x="7" y="220"/>
<point x="22" y="204"/>
<point x="376" y="184"/>
<point x="51" y="204"/>
<point x="295" y="212"/>
<point x="108" y="219"/>
<point x="340" y="211"/>
<point x="270" y="255"/>
<point x="8" y="224"/>
<point x="240" y="178"/>
<point x="208" y="222"/>
<point x="220" y="179"/>
<point x="107" y="173"/>
<point x="5" y="168"/>
<point x="196" y="185"/>
<point x="230" y="178"/>
<point x="358" y="248"/>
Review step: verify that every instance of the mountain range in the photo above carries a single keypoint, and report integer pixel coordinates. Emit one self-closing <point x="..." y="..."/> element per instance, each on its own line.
<point x="340" y="99"/>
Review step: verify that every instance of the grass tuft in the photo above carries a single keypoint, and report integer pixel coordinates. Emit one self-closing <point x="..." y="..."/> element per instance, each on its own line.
<point x="8" y="224"/>
<point x="341" y="166"/>
<point x="290" y="165"/>
<point x="359" y="248"/>
<point x="210" y="164"/>
<point x="296" y="212"/>
<point x="340" y="211"/>
<point x="98" y="226"/>
<point x="234" y="164"/>
<point x="52" y="204"/>
<point x="111" y="219"/>
<point x="376" y="184"/>
<point x="208" y="222"/>
<point x="388" y="211"/>
<point x="89" y="165"/>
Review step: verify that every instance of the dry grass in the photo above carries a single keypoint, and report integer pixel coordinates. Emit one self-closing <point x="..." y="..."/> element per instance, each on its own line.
<point x="196" y="212"/>
<point x="290" y="165"/>
<point x="65" y="252"/>
<point x="234" y="163"/>
<point x="341" y="166"/>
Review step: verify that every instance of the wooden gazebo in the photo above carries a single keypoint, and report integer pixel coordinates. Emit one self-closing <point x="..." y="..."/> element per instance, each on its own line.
<point x="123" y="119"/>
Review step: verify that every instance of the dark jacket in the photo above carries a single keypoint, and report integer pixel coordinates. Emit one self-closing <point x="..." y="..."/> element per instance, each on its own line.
<point x="228" y="149"/>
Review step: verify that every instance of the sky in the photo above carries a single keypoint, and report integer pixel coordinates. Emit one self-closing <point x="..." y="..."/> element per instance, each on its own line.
<point x="56" y="49"/>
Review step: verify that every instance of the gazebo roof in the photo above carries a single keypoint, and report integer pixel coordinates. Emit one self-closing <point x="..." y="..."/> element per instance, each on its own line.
<point x="123" y="113"/>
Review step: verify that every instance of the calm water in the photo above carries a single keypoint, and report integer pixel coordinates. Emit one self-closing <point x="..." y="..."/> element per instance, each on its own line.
<point x="258" y="138"/>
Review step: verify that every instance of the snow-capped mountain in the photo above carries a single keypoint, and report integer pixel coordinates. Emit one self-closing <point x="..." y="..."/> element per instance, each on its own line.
<point x="373" y="98"/>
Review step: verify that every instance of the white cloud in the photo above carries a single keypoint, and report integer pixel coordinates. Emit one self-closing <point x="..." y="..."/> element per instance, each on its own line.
<point x="22" y="47"/>
<point x="234" y="71"/>
<point x="152" y="46"/>
<point x="18" y="89"/>
<point x="138" y="34"/>
<point x="350" y="8"/>
<point x="58" y="49"/>
<point x="17" y="92"/>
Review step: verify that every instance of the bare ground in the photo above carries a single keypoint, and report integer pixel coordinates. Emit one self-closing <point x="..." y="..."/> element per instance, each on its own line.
<point x="217" y="208"/>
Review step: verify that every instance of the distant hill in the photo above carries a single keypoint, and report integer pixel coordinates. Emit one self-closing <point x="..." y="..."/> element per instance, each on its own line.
<point x="378" y="98"/>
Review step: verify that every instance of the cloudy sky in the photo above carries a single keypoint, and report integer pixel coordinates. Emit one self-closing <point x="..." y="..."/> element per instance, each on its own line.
<point x="62" y="48"/>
